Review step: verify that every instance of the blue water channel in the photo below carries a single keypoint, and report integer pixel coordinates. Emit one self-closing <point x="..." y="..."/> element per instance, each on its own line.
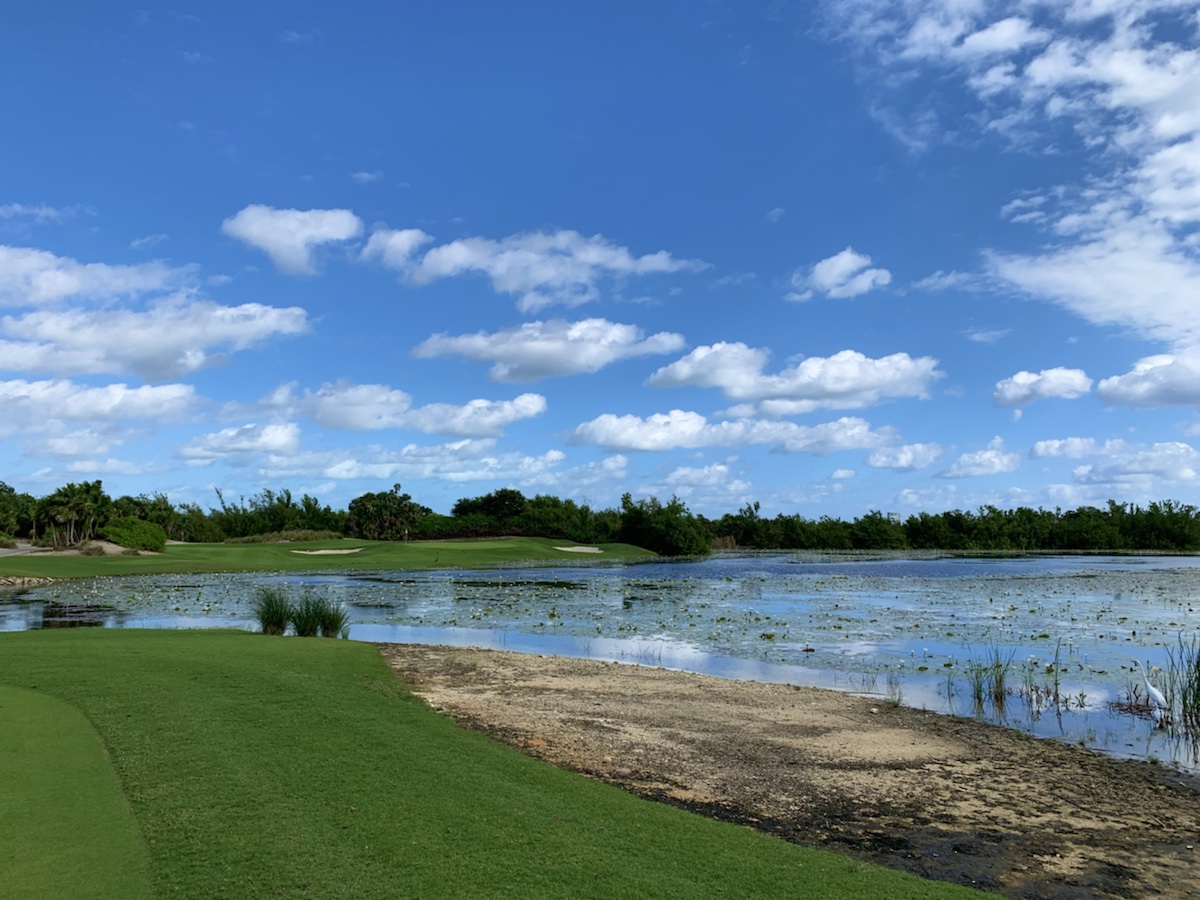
<point x="895" y="629"/>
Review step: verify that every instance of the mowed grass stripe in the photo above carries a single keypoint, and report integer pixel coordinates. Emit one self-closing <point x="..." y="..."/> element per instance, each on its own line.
<point x="65" y="827"/>
<point x="288" y="557"/>
<point x="266" y="766"/>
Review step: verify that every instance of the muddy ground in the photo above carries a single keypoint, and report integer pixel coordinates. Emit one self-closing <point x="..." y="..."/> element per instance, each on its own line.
<point x="942" y="797"/>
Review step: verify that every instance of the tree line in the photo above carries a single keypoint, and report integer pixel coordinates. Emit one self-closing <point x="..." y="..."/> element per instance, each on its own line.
<point x="78" y="512"/>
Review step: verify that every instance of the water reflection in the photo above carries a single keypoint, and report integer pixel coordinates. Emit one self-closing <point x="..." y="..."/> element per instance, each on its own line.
<point x="888" y="628"/>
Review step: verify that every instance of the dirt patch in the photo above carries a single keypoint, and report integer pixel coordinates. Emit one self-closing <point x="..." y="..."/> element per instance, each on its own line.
<point x="941" y="797"/>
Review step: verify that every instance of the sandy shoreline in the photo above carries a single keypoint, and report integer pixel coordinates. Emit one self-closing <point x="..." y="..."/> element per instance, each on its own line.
<point x="943" y="797"/>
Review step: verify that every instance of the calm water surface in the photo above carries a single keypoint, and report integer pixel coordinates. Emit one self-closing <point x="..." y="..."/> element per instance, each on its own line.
<point x="907" y="629"/>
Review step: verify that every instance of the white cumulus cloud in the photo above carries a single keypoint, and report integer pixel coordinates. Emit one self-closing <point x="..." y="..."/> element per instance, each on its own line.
<point x="247" y="441"/>
<point x="992" y="461"/>
<point x="1163" y="380"/>
<point x="370" y="407"/>
<point x="906" y="458"/>
<point x="682" y="429"/>
<point x="1025" y="387"/>
<point x="32" y="277"/>
<point x="38" y="405"/>
<point x="845" y="274"/>
<point x="172" y="338"/>
<point x="290" y="236"/>
<point x="845" y="380"/>
<point x="537" y="350"/>
<point x="540" y="268"/>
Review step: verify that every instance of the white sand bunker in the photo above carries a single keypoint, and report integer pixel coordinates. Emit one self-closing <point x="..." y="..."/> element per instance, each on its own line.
<point x="327" y="552"/>
<point x="580" y="549"/>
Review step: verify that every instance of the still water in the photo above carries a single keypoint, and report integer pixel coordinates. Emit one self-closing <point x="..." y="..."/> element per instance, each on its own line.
<point x="907" y="630"/>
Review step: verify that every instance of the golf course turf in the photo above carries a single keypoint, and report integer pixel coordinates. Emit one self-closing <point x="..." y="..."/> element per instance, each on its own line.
<point x="260" y="766"/>
<point x="300" y="556"/>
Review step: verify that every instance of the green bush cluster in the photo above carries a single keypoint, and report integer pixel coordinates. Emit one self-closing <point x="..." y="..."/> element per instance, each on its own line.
<point x="135" y="534"/>
<point x="7" y="542"/>
<point x="312" y="616"/>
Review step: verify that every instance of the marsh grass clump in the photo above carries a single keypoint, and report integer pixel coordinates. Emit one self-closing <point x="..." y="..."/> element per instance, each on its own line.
<point x="1183" y="683"/>
<point x="308" y="614"/>
<point x="998" y="668"/>
<point x="335" y="621"/>
<point x="273" y="610"/>
<point x="894" y="679"/>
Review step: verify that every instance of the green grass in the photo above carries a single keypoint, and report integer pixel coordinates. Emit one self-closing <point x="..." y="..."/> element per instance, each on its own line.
<point x="188" y="558"/>
<point x="277" y="767"/>
<point x="66" y="829"/>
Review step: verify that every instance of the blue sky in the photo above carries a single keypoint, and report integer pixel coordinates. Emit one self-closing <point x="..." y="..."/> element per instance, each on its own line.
<point x="829" y="257"/>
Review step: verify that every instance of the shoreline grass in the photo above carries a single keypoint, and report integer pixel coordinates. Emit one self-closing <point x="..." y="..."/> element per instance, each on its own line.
<point x="264" y="767"/>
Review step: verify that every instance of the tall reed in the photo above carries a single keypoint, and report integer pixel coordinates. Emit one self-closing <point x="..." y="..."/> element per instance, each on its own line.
<point x="273" y="610"/>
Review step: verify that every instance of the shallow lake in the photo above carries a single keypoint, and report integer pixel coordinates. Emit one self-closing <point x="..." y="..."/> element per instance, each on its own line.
<point x="906" y="630"/>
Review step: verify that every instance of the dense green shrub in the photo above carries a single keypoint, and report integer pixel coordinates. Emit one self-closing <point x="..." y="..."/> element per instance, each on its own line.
<point x="135" y="534"/>
<point x="6" y="542"/>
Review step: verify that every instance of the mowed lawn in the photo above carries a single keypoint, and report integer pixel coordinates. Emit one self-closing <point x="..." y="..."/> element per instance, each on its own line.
<point x="295" y="557"/>
<point x="227" y="764"/>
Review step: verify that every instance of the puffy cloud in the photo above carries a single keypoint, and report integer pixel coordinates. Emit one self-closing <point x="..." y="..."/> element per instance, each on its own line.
<point x="842" y="474"/>
<point x="1173" y="461"/>
<point x="366" y="177"/>
<point x="992" y="461"/>
<point x="1071" y="448"/>
<point x="173" y="338"/>
<point x="394" y="248"/>
<point x="540" y="268"/>
<point x="289" y="236"/>
<point x="846" y="274"/>
<point x="247" y="442"/>
<point x="465" y="460"/>
<point x="536" y="350"/>
<point x="367" y="407"/>
<point x="1164" y="380"/>
<point x="476" y="418"/>
<point x="1025" y="387"/>
<point x="31" y="277"/>
<point x="27" y="406"/>
<point x="715" y="475"/>
<point x="906" y="458"/>
<point x="846" y="380"/>
<point x="676" y="429"/>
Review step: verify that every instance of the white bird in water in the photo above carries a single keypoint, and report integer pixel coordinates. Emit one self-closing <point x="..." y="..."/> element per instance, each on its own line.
<point x="1157" y="700"/>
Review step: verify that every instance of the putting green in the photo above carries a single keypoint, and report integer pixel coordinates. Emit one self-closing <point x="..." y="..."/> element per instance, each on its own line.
<point x="66" y="830"/>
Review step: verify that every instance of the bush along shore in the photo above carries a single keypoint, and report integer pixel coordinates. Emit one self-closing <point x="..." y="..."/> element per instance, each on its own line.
<point x="77" y="513"/>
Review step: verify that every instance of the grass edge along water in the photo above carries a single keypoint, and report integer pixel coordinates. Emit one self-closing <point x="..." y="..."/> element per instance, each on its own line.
<point x="263" y="766"/>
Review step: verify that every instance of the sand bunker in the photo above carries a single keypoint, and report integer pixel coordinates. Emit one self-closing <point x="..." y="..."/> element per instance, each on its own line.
<point x="328" y="552"/>
<point x="580" y="549"/>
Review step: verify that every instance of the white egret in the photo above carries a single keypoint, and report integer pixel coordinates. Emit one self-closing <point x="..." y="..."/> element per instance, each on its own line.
<point x="1157" y="700"/>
